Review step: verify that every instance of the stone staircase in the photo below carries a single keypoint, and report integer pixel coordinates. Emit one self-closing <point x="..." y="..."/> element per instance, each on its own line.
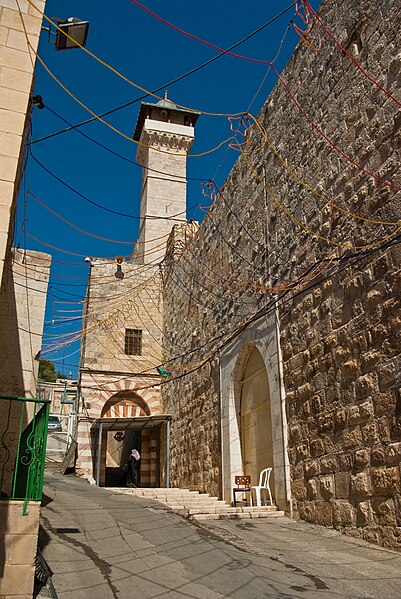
<point x="200" y="506"/>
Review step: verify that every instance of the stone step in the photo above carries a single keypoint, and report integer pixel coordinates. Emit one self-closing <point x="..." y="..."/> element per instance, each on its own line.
<point x="164" y="490"/>
<point x="160" y="493"/>
<point x="200" y="506"/>
<point x="226" y="509"/>
<point x="190" y="501"/>
<point x="193" y="503"/>
<point x="234" y="516"/>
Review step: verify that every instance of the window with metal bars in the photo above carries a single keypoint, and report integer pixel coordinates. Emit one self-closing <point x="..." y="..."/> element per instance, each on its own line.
<point x="133" y="342"/>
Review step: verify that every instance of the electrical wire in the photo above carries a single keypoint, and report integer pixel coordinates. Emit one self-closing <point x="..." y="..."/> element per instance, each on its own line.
<point x="286" y="87"/>
<point x="273" y="305"/>
<point x="257" y="91"/>
<point x="72" y="225"/>
<point x="110" y="126"/>
<point x="352" y="59"/>
<point x="173" y="81"/>
<point x="134" y="162"/>
<point x="97" y="117"/>
<point x="173" y="217"/>
<point x="200" y="40"/>
<point x="115" y="71"/>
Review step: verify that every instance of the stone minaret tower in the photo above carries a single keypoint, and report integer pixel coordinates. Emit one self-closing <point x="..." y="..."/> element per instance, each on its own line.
<point x="162" y="126"/>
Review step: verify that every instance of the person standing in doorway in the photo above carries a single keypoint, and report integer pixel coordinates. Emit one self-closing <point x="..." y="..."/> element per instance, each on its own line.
<point x="133" y="468"/>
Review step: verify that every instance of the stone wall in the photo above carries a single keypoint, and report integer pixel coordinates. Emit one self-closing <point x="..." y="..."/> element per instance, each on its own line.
<point x="116" y="302"/>
<point x="22" y="310"/>
<point x="131" y="300"/>
<point x="291" y="229"/>
<point x="18" y="544"/>
<point x="16" y="77"/>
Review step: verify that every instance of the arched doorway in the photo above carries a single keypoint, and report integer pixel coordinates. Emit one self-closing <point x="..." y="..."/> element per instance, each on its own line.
<point x="118" y="442"/>
<point x="255" y="418"/>
<point x="250" y="369"/>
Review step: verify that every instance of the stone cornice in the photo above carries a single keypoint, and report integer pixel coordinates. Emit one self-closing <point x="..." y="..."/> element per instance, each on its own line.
<point x="161" y="140"/>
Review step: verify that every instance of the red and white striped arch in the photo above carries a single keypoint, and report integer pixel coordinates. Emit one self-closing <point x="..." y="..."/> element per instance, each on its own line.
<point x="122" y="398"/>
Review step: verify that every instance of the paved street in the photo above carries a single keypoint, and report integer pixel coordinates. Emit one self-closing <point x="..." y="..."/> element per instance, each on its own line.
<point x="105" y="545"/>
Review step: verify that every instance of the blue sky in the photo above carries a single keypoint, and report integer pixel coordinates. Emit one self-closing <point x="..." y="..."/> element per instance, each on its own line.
<point x="150" y="54"/>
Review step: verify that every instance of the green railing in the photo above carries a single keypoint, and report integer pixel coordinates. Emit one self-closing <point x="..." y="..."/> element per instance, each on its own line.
<point x="23" y="430"/>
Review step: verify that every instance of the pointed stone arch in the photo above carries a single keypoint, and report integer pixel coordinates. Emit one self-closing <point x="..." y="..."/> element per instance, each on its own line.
<point x="263" y="336"/>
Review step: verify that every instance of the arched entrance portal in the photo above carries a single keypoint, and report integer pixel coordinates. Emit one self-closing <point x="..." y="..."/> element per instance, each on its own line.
<point x="255" y="418"/>
<point x="126" y="423"/>
<point x="118" y="442"/>
<point x="124" y="404"/>
<point x="254" y="427"/>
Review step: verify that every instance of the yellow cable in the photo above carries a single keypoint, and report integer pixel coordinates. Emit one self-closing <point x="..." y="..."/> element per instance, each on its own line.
<point x="307" y="229"/>
<point x="105" y="64"/>
<point x="314" y="191"/>
<point x="124" y="135"/>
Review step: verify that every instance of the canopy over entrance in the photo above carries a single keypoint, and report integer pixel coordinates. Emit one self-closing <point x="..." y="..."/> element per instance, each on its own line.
<point x="102" y="426"/>
<point x="137" y="423"/>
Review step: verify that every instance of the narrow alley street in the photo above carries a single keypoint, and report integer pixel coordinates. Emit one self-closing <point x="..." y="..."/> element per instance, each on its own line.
<point x="105" y="545"/>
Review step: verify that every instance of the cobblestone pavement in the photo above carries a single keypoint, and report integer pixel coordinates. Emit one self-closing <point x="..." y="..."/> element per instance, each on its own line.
<point x="105" y="545"/>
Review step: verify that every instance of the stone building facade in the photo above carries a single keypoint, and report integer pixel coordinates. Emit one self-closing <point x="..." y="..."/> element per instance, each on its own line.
<point x="16" y="80"/>
<point x="123" y="318"/>
<point x="113" y="384"/>
<point x="286" y="302"/>
<point x="24" y="276"/>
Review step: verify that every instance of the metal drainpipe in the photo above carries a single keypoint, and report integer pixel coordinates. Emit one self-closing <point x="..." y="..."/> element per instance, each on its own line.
<point x="99" y="454"/>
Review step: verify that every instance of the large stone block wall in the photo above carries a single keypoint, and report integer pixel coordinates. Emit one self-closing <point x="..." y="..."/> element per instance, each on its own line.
<point x="18" y="546"/>
<point x="16" y="76"/>
<point x="339" y="322"/>
<point x="22" y="310"/>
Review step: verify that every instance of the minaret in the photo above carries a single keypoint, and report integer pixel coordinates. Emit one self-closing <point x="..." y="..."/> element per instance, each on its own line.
<point x="165" y="134"/>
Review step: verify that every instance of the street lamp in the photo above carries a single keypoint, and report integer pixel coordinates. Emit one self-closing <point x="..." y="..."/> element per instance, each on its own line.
<point x="76" y="29"/>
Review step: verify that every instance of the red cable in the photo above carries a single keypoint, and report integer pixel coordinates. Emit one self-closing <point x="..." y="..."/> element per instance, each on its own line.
<point x="316" y="127"/>
<point x="198" y="39"/>
<point x="331" y="143"/>
<point x="356" y="63"/>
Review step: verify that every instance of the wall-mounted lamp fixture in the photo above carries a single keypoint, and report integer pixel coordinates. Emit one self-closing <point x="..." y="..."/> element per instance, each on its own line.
<point x="73" y="27"/>
<point x="89" y="261"/>
<point x="37" y="101"/>
<point x="119" y="272"/>
<point x="76" y="29"/>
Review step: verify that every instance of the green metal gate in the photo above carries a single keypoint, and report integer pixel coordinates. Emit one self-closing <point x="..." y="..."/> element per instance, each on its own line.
<point x="24" y="435"/>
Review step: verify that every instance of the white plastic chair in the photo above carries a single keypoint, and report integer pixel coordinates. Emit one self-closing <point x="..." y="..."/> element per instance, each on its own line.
<point x="264" y="484"/>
